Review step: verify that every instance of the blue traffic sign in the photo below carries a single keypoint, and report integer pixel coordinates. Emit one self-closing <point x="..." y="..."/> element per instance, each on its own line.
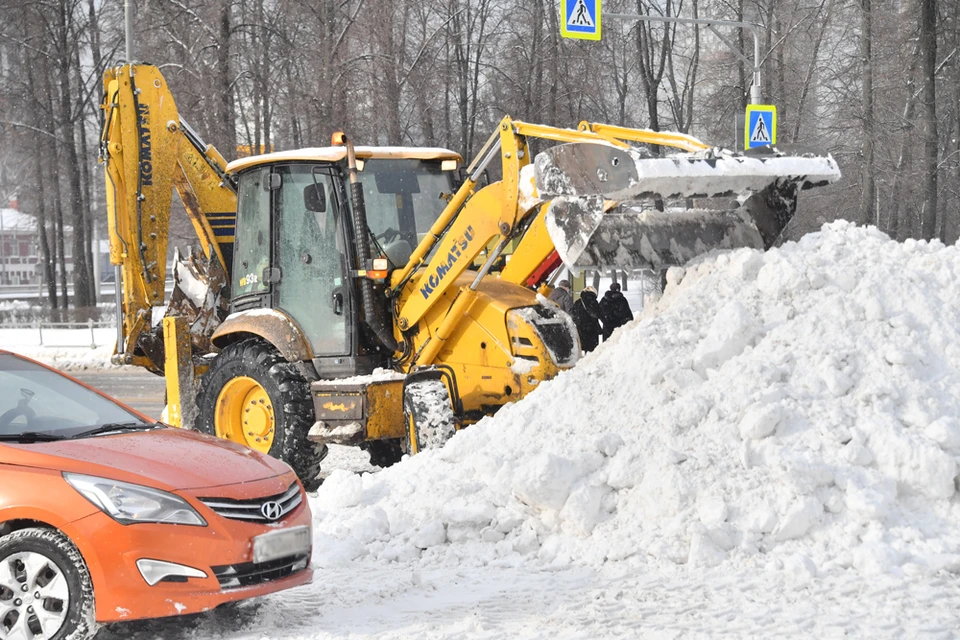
<point x="760" y="126"/>
<point x="580" y="19"/>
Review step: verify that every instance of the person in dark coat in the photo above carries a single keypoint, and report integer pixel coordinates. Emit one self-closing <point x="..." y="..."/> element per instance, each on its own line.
<point x="561" y="295"/>
<point x="614" y="310"/>
<point x="586" y="315"/>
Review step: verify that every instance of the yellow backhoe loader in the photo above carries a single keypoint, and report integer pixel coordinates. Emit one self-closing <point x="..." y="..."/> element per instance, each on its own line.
<point x="361" y="295"/>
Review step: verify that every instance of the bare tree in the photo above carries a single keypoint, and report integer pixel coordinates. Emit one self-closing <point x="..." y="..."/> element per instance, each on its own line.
<point x="928" y="45"/>
<point x="867" y="189"/>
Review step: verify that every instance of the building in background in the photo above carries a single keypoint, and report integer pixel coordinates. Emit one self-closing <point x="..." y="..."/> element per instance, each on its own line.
<point x="20" y="262"/>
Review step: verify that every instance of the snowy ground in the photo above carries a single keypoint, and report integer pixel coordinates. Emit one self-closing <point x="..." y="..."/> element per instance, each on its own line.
<point x="402" y="600"/>
<point x="67" y="349"/>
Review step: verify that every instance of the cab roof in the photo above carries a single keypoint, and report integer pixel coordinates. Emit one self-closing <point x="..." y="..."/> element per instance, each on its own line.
<point x="335" y="154"/>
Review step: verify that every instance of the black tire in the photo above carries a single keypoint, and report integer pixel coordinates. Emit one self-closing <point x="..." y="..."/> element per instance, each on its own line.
<point x="429" y="415"/>
<point x="384" y="453"/>
<point x="60" y="552"/>
<point x="286" y="388"/>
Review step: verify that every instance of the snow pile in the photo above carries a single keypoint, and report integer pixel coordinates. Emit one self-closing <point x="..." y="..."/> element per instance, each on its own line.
<point x="795" y="411"/>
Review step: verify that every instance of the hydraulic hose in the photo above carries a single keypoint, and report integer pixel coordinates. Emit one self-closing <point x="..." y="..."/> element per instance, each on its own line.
<point x="373" y="319"/>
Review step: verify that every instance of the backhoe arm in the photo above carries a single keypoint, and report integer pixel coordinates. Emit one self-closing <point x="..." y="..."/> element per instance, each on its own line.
<point x="472" y="220"/>
<point x="147" y="151"/>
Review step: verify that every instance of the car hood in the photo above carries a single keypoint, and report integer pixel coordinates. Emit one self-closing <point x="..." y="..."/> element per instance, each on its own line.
<point x="169" y="459"/>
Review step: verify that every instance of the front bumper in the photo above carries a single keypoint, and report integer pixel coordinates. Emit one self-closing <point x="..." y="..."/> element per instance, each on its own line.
<point x="223" y="550"/>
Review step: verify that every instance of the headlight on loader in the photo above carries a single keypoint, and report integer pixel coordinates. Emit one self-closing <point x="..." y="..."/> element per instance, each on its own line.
<point x="132" y="503"/>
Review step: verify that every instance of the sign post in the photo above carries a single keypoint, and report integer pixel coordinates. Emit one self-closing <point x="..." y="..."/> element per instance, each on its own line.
<point x="580" y="19"/>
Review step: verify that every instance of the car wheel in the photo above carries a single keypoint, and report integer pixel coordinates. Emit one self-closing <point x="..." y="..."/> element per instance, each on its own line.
<point x="428" y="414"/>
<point x="251" y="395"/>
<point x="45" y="588"/>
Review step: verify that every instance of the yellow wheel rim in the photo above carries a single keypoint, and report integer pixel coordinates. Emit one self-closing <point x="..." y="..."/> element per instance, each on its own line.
<point x="244" y="414"/>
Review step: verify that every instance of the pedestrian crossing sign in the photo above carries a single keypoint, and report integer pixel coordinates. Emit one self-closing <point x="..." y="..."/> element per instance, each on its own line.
<point x="580" y="19"/>
<point x="760" y="126"/>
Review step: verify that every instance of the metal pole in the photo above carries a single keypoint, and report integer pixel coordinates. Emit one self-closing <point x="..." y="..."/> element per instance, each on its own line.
<point x="748" y="26"/>
<point x="118" y="298"/>
<point x="3" y="251"/>
<point x="128" y="28"/>
<point x="96" y="262"/>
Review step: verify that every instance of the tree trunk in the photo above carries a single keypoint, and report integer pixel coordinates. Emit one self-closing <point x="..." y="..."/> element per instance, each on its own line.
<point x="81" y="273"/>
<point x="895" y="227"/>
<point x="227" y="115"/>
<point x="867" y="191"/>
<point x="48" y="269"/>
<point x="53" y="156"/>
<point x="928" y="40"/>
<point x="90" y="253"/>
<point x="49" y="272"/>
<point x="952" y="220"/>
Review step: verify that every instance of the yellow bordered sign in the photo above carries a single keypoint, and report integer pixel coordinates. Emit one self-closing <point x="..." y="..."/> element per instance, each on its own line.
<point x="580" y="19"/>
<point x="760" y="126"/>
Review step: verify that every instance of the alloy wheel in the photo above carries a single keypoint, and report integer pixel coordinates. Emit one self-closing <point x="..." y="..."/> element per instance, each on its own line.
<point x="34" y="597"/>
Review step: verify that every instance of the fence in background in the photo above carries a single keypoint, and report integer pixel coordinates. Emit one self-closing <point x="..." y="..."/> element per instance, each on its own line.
<point x="54" y="327"/>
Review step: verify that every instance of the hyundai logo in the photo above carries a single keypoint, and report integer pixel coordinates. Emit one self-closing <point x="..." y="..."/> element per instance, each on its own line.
<point x="271" y="510"/>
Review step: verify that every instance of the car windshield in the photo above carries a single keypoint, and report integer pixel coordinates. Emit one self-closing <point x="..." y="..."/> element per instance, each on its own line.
<point x="403" y="200"/>
<point x="37" y="400"/>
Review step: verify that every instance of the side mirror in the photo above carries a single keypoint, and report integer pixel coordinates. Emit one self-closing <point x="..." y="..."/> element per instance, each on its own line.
<point x="314" y="198"/>
<point x="459" y="177"/>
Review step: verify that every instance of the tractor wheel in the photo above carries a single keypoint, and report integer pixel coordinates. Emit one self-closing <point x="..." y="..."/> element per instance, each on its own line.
<point x="428" y="414"/>
<point x="252" y="396"/>
<point x="384" y="453"/>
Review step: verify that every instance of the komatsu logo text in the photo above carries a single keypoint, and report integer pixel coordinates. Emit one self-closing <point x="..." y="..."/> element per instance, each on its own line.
<point x="146" y="158"/>
<point x="456" y="252"/>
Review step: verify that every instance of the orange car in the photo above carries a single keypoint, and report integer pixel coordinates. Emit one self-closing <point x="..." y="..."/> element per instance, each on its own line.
<point x="106" y="515"/>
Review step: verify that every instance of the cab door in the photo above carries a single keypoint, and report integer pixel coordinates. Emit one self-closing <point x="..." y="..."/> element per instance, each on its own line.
<point x="311" y="257"/>
<point x="251" y="284"/>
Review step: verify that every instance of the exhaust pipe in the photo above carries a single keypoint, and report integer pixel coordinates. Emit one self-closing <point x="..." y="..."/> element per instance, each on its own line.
<point x="383" y="333"/>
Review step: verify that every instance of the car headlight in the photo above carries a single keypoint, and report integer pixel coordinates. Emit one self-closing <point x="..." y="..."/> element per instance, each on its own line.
<point x="132" y="503"/>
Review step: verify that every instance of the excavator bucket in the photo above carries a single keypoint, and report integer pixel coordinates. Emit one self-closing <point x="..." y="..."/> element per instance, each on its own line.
<point x="613" y="207"/>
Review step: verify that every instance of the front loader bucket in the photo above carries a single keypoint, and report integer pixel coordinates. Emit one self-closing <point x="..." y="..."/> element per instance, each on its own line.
<point x="603" y="209"/>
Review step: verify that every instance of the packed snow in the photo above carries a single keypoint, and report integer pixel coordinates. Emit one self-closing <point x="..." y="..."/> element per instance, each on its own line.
<point x="791" y="409"/>
<point x="66" y="349"/>
<point x="788" y="417"/>
<point x="768" y="450"/>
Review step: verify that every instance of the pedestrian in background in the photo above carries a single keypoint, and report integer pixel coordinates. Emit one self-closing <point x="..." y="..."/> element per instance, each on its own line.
<point x="586" y="315"/>
<point x="614" y="310"/>
<point x="562" y="296"/>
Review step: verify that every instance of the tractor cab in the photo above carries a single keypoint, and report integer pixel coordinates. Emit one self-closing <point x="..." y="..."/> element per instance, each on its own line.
<point x="294" y="254"/>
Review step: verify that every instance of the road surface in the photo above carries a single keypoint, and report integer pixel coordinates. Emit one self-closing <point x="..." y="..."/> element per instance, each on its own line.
<point x="136" y="388"/>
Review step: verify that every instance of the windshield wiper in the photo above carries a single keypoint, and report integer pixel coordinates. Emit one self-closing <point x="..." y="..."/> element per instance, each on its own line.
<point x="111" y="427"/>
<point x="28" y="437"/>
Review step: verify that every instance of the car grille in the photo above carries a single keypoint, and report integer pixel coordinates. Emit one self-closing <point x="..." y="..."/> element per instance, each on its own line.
<point x="248" y="574"/>
<point x="254" y="510"/>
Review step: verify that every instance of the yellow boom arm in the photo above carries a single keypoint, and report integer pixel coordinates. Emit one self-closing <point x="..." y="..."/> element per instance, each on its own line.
<point x="469" y="218"/>
<point x="147" y="151"/>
